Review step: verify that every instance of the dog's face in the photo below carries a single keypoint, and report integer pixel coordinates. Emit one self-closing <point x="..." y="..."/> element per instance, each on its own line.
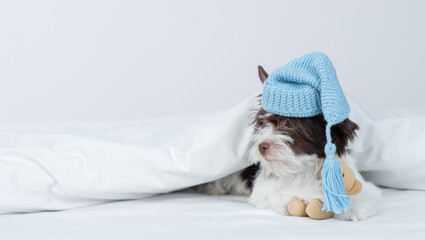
<point x="280" y="143"/>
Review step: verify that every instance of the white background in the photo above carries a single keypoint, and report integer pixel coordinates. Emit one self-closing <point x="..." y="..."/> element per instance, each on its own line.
<point x="116" y="60"/>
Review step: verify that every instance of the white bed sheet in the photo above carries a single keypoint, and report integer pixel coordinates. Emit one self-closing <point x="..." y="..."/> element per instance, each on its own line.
<point x="187" y="215"/>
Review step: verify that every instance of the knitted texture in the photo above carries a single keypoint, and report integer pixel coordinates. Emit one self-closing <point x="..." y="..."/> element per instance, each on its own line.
<point x="306" y="87"/>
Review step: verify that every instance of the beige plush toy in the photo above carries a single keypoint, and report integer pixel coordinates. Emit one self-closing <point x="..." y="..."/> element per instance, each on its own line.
<point x="314" y="208"/>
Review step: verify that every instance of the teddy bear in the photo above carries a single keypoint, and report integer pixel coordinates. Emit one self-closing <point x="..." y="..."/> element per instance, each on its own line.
<point x="313" y="209"/>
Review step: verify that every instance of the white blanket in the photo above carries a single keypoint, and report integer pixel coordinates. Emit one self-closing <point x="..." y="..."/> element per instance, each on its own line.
<point x="62" y="166"/>
<point x="68" y="165"/>
<point x="390" y="148"/>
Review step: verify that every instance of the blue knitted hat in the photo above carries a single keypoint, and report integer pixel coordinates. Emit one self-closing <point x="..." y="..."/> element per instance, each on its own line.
<point x="306" y="87"/>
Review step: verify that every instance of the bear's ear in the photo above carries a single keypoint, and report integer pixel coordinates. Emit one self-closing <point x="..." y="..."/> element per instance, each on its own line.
<point x="262" y="74"/>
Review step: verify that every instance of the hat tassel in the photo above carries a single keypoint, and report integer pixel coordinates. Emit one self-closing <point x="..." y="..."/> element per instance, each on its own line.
<point x="335" y="198"/>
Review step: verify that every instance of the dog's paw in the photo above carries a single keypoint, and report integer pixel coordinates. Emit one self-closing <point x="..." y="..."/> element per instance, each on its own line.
<point x="352" y="216"/>
<point x="278" y="208"/>
<point x="283" y="211"/>
<point x="209" y="189"/>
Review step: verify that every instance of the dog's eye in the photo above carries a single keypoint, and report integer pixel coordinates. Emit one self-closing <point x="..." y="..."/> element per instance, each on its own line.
<point x="261" y="123"/>
<point x="288" y="123"/>
<point x="285" y="124"/>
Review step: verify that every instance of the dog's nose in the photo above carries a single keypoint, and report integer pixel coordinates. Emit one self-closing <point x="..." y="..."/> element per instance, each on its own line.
<point x="263" y="147"/>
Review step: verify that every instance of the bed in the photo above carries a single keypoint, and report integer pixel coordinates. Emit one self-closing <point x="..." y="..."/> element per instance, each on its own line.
<point x="189" y="215"/>
<point x="132" y="180"/>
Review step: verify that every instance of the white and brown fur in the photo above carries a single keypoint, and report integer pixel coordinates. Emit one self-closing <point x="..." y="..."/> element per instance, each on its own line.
<point x="287" y="155"/>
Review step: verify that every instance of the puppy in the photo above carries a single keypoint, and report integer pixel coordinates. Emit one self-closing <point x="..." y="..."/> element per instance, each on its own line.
<point x="287" y="155"/>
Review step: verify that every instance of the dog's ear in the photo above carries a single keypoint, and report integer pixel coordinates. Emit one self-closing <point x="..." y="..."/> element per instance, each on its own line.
<point x="342" y="133"/>
<point x="349" y="128"/>
<point x="262" y="74"/>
